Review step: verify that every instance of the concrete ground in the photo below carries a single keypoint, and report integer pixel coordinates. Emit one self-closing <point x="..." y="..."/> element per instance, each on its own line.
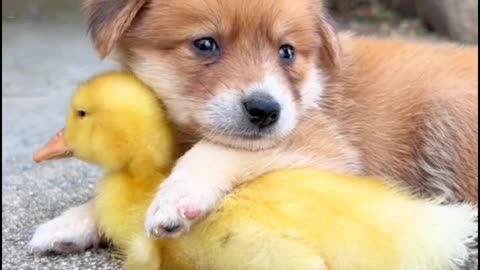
<point x="42" y="64"/>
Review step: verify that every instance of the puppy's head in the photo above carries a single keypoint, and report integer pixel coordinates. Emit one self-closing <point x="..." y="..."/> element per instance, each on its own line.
<point x="240" y="73"/>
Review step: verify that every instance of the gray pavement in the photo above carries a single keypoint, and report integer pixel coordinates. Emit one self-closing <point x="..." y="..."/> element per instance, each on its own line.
<point x="42" y="64"/>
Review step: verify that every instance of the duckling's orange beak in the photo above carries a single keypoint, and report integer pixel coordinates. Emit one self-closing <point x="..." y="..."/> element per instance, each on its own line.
<point x="57" y="147"/>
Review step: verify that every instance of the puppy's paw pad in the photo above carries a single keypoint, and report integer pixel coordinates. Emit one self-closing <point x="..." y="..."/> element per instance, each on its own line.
<point x="170" y="216"/>
<point x="177" y="206"/>
<point x="166" y="222"/>
<point x="67" y="248"/>
<point x="320" y="265"/>
<point x="190" y="213"/>
<point x="167" y="231"/>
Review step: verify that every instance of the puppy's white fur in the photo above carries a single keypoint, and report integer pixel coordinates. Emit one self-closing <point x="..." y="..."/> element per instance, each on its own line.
<point x="223" y="112"/>
<point x="203" y="176"/>
<point x="76" y="228"/>
<point x="314" y="86"/>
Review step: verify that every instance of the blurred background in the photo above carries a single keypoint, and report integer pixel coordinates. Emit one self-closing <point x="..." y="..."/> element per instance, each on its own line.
<point x="453" y="19"/>
<point x="46" y="53"/>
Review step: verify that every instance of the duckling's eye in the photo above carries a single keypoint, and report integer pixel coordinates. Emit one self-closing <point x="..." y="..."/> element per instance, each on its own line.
<point x="81" y="113"/>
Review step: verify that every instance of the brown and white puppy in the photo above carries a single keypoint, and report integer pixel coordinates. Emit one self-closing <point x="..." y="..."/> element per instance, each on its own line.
<point x="260" y="85"/>
<point x="266" y="84"/>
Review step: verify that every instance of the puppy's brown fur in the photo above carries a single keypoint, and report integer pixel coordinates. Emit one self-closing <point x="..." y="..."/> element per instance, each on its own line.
<point x="412" y="111"/>
<point x="406" y="111"/>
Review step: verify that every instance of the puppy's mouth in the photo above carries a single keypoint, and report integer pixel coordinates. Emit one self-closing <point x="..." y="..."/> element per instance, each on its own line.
<point x="251" y="137"/>
<point x="243" y="131"/>
<point x="255" y="140"/>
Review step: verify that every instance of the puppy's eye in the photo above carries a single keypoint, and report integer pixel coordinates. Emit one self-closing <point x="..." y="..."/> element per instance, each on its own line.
<point x="206" y="46"/>
<point x="81" y="113"/>
<point x="287" y="53"/>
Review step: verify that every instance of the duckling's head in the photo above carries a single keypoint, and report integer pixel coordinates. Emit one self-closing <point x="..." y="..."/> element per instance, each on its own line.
<point x="117" y="122"/>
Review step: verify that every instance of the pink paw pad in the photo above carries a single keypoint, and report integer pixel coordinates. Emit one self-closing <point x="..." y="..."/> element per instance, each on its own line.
<point x="190" y="213"/>
<point x="320" y="266"/>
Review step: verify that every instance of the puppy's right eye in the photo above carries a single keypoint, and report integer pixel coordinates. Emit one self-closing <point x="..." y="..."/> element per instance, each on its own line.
<point x="206" y="47"/>
<point x="287" y="54"/>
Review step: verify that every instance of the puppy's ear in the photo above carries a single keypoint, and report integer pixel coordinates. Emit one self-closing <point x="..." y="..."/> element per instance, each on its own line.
<point x="330" y="46"/>
<point x="331" y="50"/>
<point x="108" y="20"/>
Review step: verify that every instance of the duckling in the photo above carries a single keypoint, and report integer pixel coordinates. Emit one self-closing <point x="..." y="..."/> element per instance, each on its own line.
<point x="292" y="219"/>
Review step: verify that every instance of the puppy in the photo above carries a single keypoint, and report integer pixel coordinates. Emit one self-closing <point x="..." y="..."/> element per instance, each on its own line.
<point x="267" y="84"/>
<point x="259" y="85"/>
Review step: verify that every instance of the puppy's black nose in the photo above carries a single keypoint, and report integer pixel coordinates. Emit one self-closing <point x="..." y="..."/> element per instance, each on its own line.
<point x="262" y="111"/>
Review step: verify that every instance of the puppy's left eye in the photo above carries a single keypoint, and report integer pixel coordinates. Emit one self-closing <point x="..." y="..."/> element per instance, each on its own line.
<point x="287" y="53"/>
<point x="206" y="47"/>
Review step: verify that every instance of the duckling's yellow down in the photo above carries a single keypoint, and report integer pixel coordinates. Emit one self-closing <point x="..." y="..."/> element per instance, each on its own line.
<point x="294" y="219"/>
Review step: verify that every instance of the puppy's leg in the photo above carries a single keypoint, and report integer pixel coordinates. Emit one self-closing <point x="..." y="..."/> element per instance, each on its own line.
<point x="201" y="179"/>
<point x="73" y="231"/>
<point x="208" y="171"/>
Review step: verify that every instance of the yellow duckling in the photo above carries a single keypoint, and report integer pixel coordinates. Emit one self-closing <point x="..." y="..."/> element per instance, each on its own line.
<point x="296" y="219"/>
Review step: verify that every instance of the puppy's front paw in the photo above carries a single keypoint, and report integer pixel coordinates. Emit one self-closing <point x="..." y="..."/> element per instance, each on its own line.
<point x="73" y="231"/>
<point x="176" y="206"/>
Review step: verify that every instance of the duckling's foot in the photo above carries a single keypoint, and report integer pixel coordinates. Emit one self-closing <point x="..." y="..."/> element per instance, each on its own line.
<point x="72" y="232"/>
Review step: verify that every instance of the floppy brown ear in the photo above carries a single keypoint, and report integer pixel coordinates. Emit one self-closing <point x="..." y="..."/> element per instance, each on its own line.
<point x="330" y="51"/>
<point x="330" y="46"/>
<point x="108" y="20"/>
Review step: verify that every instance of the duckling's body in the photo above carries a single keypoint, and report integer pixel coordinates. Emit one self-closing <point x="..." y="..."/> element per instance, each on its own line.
<point x="297" y="219"/>
<point x="290" y="220"/>
<point x="120" y="203"/>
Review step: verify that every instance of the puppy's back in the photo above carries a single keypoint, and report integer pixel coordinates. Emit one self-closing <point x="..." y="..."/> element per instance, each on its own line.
<point x="412" y="110"/>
